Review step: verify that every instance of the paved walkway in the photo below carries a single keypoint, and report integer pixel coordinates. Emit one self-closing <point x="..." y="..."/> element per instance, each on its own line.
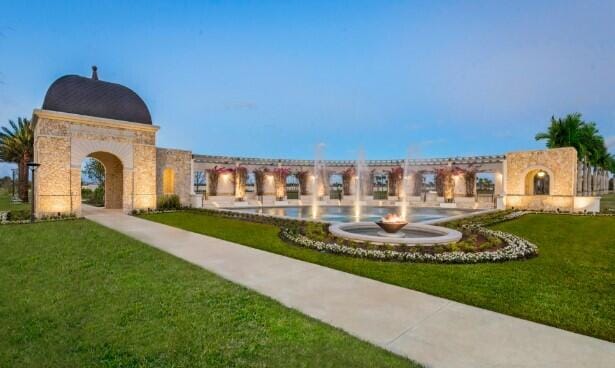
<point x="431" y="330"/>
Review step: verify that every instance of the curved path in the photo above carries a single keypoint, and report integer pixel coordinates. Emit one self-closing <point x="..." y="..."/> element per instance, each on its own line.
<point x="433" y="331"/>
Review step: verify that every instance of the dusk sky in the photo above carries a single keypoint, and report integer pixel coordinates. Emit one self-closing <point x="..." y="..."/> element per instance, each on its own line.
<point x="273" y="79"/>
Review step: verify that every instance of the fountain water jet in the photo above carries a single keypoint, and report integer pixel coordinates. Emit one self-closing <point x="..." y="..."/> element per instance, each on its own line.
<point x="406" y="186"/>
<point x="360" y="171"/>
<point x="317" y="177"/>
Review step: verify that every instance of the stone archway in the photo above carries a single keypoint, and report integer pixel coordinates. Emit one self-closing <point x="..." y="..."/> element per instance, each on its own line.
<point x="114" y="179"/>
<point x="127" y="150"/>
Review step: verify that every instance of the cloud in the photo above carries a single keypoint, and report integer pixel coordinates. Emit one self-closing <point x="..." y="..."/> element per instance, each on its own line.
<point x="610" y="141"/>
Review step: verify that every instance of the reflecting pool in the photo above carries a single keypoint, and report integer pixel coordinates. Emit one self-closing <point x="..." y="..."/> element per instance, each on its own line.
<point x="348" y="213"/>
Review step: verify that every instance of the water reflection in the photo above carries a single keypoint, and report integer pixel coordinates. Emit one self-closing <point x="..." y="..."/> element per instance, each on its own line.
<point x="350" y="213"/>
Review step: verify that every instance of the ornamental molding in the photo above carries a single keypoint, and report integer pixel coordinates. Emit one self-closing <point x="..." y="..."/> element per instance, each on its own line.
<point x="85" y="119"/>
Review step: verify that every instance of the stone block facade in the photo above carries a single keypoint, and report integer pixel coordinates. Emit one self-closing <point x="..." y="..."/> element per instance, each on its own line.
<point x="559" y="164"/>
<point x="179" y="163"/>
<point x="137" y="172"/>
<point x="63" y="141"/>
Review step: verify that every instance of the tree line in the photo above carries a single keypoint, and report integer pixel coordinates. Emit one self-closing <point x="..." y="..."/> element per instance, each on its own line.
<point x="573" y="131"/>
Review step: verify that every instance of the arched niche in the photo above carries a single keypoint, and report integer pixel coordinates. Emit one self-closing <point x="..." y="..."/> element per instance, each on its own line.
<point x="538" y="181"/>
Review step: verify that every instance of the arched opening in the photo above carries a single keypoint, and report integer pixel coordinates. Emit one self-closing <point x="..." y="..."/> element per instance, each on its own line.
<point x="485" y="187"/>
<point x="380" y="186"/>
<point x="251" y="182"/>
<point x="335" y="186"/>
<point x="168" y="181"/>
<point x="103" y="180"/>
<point x="541" y="183"/>
<point x="200" y="182"/>
<point x="537" y="182"/>
<point x="292" y="187"/>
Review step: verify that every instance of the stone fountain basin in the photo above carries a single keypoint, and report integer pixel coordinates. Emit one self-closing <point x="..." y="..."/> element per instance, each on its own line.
<point x="391" y="227"/>
<point x="411" y="234"/>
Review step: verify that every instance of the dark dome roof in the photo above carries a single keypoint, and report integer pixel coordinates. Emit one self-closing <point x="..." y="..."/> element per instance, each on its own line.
<point x="85" y="96"/>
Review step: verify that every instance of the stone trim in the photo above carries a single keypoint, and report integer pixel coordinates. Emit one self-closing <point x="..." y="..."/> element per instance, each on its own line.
<point x="228" y="160"/>
<point x="81" y="148"/>
<point x="88" y="120"/>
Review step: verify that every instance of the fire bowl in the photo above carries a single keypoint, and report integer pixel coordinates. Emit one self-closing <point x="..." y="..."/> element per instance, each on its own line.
<point x="391" y="227"/>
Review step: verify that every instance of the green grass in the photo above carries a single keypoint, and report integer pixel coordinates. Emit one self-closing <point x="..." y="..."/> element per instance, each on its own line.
<point x="569" y="285"/>
<point x="607" y="202"/>
<point x="7" y="205"/>
<point x="75" y="294"/>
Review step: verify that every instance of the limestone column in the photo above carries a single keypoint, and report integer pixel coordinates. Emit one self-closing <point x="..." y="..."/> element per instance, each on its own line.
<point x="585" y="179"/>
<point x="579" y="177"/>
<point x="75" y="190"/>
<point x="592" y="179"/>
<point x="128" y="190"/>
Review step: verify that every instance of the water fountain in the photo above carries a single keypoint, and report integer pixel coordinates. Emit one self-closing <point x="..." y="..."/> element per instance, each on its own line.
<point x="360" y="172"/>
<point x="391" y="224"/>
<point x="392" y="229"/>
<point x="317" y="177"/>
<point x="406" y="186"/>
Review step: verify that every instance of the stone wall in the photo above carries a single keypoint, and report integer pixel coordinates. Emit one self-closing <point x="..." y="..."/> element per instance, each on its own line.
<point x="561" y="166"/>
<point x="559" y="163"/>
<point x="63" y="141"/>
<point x="180" y="162"/>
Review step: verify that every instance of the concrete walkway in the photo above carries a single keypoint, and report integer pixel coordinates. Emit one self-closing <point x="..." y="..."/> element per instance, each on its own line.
<point x="433" y="331"/>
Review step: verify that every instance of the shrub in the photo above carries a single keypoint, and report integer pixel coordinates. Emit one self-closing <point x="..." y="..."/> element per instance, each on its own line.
<point x="18" y="215"/>
<point x="169" y="202"/>
<point x="98" y="197"/>
<point x="86" y="194"/>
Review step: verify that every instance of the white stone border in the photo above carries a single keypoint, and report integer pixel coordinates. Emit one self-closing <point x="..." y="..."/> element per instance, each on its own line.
<point x="515" y="248"/>
<point x="443" y="235"/>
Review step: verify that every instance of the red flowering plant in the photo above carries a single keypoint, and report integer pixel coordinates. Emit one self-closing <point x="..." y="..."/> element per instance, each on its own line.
<point x="303" y="177"/>
<point x="214" y="174"/>
<point x="279" y="178"/>
<point x="445" y="185"/>
<point x="418" y="183"/>
<point x="347" y="176"/>
<point x="259" y="180"/>
<point x="469" y="176"/>
<point x="396" y="175"/>
<point x="241" y="177"/>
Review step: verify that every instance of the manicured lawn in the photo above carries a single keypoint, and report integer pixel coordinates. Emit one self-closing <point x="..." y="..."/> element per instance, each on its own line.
<point x="569" y="285"/>
<point x="7" y="205"/>
<point x="75" y="294"/>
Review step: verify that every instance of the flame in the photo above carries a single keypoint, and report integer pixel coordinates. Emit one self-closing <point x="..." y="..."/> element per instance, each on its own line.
<point x="393" y="218"/>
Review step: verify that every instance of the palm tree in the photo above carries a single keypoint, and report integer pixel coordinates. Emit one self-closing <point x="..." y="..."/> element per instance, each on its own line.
<point x="17" y="145"/>
<point x="572" y="131"/>
<point x="567" y="132"/>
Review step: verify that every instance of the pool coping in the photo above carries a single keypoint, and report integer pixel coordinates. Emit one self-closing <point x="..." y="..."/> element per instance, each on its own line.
<point x="470" y="213"/>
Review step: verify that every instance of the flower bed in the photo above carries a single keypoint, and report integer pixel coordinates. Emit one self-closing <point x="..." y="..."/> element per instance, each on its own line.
<point x="514" y="247"/>
<point x="314" y="235"/>
<point x="6" y="219"/>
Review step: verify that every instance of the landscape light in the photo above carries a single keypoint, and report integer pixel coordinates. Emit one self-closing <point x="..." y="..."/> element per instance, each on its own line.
<point x="33" y="166"/>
